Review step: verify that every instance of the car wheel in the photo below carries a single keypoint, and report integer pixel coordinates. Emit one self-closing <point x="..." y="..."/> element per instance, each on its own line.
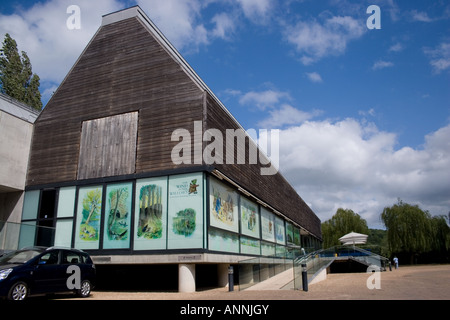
<point x="85" y="289"/>
<point x="19" y="291"/>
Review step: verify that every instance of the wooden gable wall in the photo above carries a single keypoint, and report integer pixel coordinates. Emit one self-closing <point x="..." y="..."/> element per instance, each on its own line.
<point x="124" y="69"/>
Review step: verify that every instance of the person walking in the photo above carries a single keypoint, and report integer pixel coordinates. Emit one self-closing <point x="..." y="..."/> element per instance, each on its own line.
<point x="395" y="262"/>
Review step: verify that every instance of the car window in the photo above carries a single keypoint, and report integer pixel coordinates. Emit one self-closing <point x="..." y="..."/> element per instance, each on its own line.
<point x="70" y="257"/>
<point x="18" y="256"/>
<point x="49" y="258"/>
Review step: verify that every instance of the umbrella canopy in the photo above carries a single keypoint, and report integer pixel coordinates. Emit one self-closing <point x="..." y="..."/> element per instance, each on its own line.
<point x="353" y="238"/>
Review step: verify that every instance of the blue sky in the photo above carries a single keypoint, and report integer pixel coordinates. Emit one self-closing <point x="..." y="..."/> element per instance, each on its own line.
<point x="364" y="115"/>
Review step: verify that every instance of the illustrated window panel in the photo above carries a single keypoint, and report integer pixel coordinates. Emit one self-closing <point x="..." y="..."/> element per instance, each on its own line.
<point x="117" y="216"/>
<point x="250" y="246"/>
<point x="185" y="212"/>
<point x="88" y="218"/>
<point x="220" y="240"/>
<point x="150" y="215"/>
<point x="280" y="231"/>
<point x="289" y="233"/>
<point x="108" y="146"/>
<point x="267" y="249"/>
<point x="249" y="218"/>
<point x="223" y="211"/>
<point x="267" y="225"/>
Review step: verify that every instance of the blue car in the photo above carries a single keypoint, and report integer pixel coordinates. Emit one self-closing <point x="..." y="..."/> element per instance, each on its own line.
<point x="39" y="270"/>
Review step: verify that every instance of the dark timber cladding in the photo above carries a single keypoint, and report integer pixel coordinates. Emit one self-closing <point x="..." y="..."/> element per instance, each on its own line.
<point x="124" y="69"/>
<point x="116" y="110"/>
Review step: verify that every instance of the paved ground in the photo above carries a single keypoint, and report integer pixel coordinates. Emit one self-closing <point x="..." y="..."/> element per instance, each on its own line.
<point x="430" y="282"/>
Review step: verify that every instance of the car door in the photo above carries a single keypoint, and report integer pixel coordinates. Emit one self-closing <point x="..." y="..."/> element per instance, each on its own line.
<point x="48" y="274"/>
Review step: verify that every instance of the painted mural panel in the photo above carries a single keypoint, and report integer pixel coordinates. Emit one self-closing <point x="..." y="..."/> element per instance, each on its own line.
<point x="280" y="235"/>
<point x="220" y="240"/>
<point x="89" y="210"/>
<point x="223" y="211"/>
<point x="185" y="213"/>
<point x="289" y="233"/>
<point x="151" y="214"/>
<point x="267" y="249"/>
<point x="267" y="225"/>
<point x="249" y="218"/>
<point x="250" y="246"/>
<point x="117" y="216"/>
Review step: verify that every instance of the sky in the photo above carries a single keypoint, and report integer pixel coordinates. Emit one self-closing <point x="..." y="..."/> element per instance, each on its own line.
<point x="363" y="112"/>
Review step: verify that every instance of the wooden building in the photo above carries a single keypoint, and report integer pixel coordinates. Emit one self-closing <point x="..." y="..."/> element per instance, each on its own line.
<point x="101" y="168"/>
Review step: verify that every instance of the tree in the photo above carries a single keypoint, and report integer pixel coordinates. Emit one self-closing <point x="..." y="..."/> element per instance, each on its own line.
<point x="344" y="221"/>
<point x="16" y="77"/>
<point x="408" y="229"/>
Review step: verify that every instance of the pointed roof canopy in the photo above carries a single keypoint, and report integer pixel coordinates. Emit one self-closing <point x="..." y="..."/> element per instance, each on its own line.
<point x="353" y="238"/>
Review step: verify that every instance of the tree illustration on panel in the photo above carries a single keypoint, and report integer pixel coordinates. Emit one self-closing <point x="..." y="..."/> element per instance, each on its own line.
<point x="118" y="214"/>
<point x="184" y="222"/>
<point x="150" y="212"/>
<point x="92" y="203"/>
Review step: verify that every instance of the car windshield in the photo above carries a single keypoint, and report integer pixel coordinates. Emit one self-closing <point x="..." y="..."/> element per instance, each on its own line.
<point x="18" y="256"/>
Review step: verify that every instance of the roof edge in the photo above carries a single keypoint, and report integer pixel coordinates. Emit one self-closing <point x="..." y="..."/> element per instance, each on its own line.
<point x="137" y="12"/>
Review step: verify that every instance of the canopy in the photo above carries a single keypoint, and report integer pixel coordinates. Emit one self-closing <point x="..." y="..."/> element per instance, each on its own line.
<point x="353" y="238"/>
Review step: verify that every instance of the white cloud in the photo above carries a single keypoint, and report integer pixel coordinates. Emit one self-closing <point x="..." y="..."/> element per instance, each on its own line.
<point x="397" y="47"/>
<point x="286" y="115"/>
<point x="351" y="164"/>
<point x="42" y="32"/>
<point x="314" y="40"/>
<point x="380" y="64"/>
<point x="420" y="16"/>
<point x="314" y="77"/>
<point x="225" y="25"/>
<point x="179" y="20"/>
<point x="258" y="11"/>
<point x="263" y="99"/>
<point x="439" y="57"/>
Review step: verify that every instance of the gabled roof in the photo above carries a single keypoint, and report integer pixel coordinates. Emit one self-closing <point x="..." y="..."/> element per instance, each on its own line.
<point x="137" y="12"/>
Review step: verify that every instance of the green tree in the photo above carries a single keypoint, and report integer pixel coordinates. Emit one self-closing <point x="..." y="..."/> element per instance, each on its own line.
<point x="344" y="221"/>
<point x="409" y="229"/>
<point x="16" y="76"/>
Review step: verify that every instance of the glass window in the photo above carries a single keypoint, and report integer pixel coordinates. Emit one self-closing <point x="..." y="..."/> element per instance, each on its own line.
<point x="49" y="258"/>
<point x="70" y="257"/>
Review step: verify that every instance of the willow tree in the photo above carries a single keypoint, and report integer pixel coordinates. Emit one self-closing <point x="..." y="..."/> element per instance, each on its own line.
<point x="408" y="229"/>
<point x="344" y="221"/>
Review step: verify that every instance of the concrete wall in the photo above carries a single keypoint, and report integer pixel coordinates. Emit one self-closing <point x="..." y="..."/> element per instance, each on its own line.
<point x="15" y="141"/>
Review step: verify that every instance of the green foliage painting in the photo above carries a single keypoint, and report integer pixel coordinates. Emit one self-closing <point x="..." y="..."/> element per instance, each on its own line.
<point x="150" y="212"/>
<point x="92" y="205"/>
<point x="184" y="222"/>
<point x="118" y="216"/>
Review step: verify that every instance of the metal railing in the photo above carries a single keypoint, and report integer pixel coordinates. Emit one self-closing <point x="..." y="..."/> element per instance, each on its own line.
<point x="318" y="260"/>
